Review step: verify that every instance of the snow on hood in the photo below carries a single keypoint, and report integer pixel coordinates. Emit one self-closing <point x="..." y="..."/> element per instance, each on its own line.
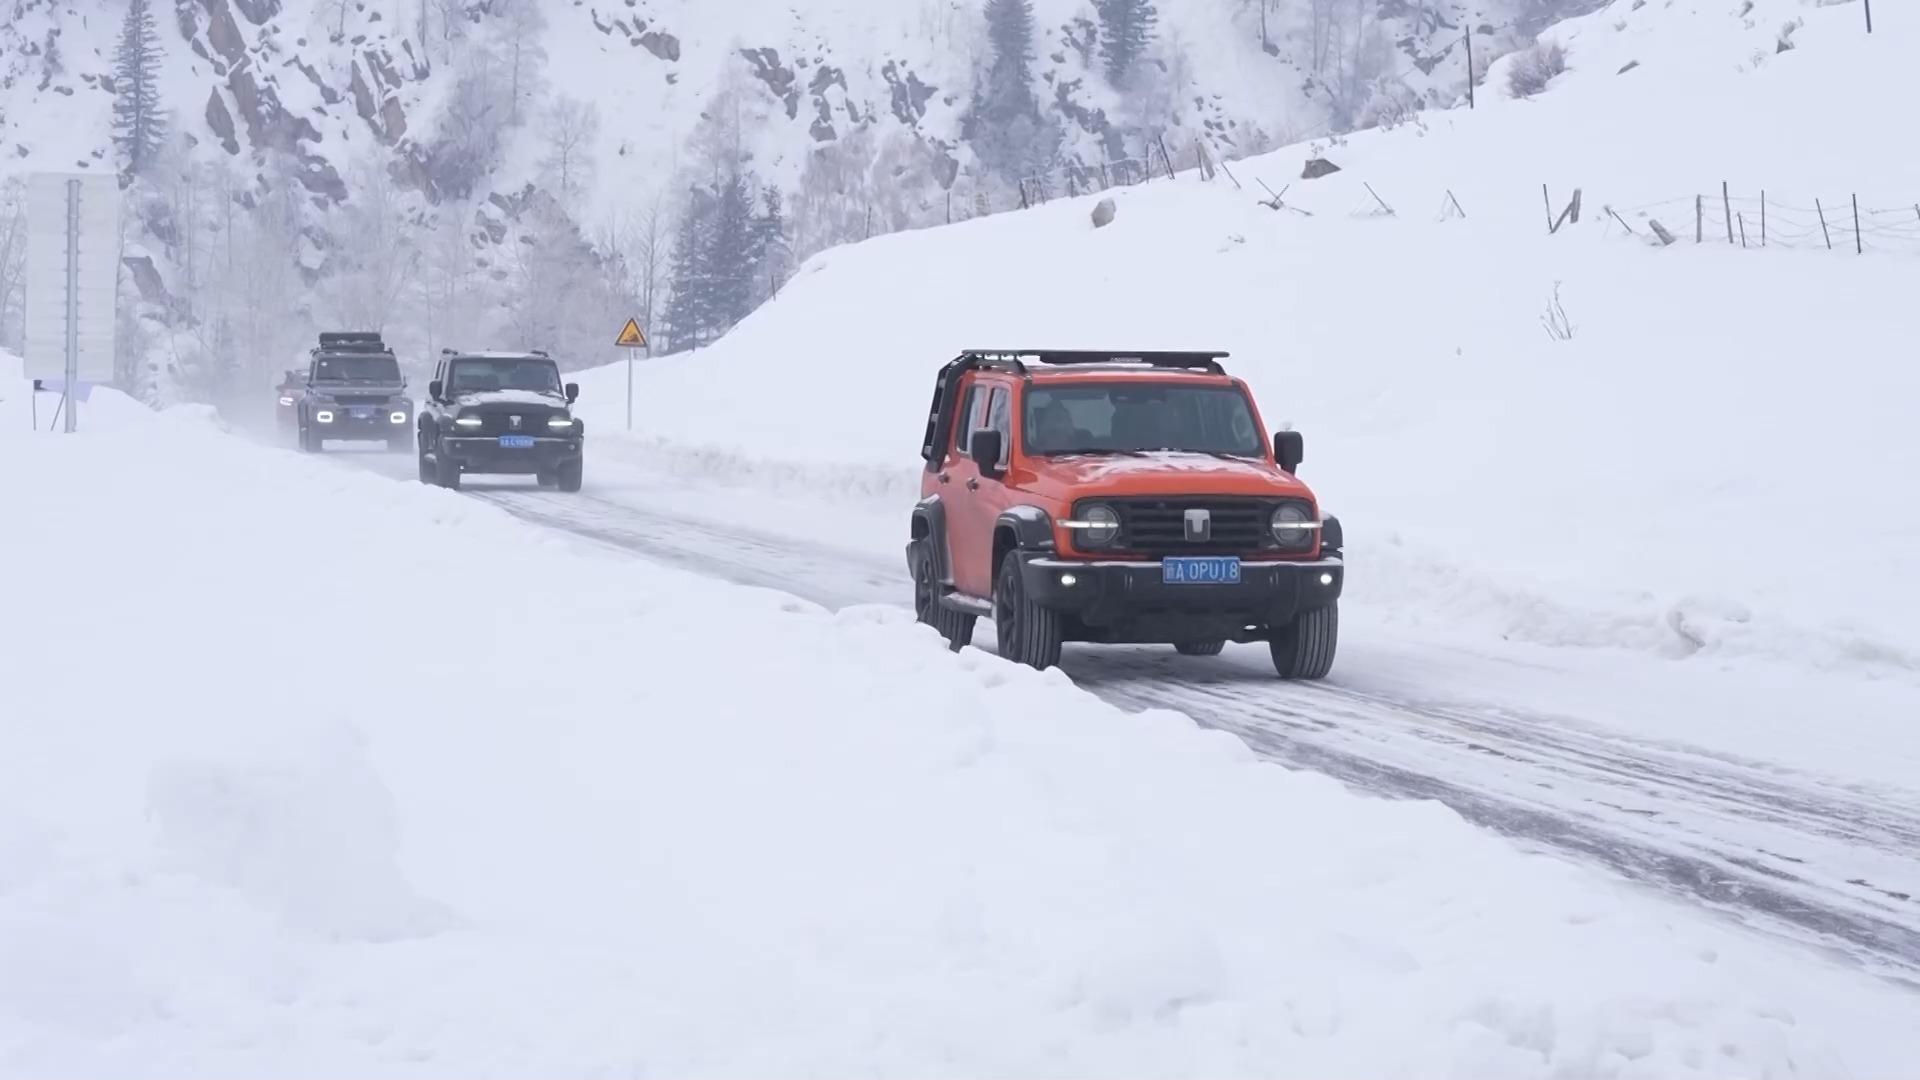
<point x="1136" y="473"/>
<point x="511" y="397"/>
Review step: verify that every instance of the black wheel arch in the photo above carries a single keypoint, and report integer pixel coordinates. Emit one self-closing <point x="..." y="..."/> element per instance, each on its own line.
<point x="1333" y="539"/>
<point x="1021" y="528"/>
<point x="929" y="528"/>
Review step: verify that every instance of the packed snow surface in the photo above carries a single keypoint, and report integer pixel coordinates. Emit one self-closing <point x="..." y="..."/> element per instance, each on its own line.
<point x="1707" y="468"/>
<point x="340" y="776"/>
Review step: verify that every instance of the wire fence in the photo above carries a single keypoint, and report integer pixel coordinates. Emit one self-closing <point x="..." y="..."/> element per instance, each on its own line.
<point x="971" y="197"/>
<point x="1756" y="220"/>
<point x="1765" y="220"/>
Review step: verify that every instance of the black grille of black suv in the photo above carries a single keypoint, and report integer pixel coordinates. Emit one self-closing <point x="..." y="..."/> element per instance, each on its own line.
<point x="361" y="401"/>
<point x="499" y="421"/>
<point x="1158" y="526"/>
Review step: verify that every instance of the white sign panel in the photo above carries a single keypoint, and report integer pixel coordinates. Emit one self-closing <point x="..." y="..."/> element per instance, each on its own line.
<point x="53" y="290"/>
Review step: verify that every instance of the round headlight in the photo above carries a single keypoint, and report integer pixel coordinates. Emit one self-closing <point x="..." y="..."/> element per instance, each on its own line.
<point x="1291" y="525"/>
<point x="1102" y="525"/>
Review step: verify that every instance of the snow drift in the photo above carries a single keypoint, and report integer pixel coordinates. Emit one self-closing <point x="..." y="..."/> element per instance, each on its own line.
<point x="343" y="776"/>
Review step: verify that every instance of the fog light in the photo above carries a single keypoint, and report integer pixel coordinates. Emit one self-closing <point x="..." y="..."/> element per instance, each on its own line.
<point x="398" y="418"/>
<point x="324" y="416"/>
<point x="1326" y="579"/>
<point x="1069" y="580"/>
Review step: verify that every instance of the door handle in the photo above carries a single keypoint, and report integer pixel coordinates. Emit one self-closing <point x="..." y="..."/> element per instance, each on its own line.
<point x="944" y="478"/>
<point x="973" y="484"/>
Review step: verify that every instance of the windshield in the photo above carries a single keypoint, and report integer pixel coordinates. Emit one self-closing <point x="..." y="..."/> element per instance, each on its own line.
<point x="510" y="373"/>
<point x="1134" y="417"/>
<point x="356" y="369"/>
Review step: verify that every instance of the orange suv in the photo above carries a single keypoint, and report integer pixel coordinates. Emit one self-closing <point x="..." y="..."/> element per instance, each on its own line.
<point x="1120" y="498"/>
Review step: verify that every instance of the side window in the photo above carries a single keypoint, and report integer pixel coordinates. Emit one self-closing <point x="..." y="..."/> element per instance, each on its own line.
<point x="971" y="418"/>
<point x="1000" y="419"/>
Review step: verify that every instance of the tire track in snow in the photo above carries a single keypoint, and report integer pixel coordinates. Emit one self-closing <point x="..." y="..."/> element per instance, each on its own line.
<point x="1790" y="854"/>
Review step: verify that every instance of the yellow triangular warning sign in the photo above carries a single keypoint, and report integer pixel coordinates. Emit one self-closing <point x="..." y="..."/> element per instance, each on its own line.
<point x="631" y="336"/>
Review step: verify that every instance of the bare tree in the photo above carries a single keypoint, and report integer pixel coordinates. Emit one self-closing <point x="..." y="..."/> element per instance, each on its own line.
<point x="573" y="127"/>
<point x="524" y="21"/>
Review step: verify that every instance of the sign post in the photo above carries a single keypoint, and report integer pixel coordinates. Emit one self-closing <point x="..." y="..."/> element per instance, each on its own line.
<point x="631" y="338"/>
<point x="72" y="266"/>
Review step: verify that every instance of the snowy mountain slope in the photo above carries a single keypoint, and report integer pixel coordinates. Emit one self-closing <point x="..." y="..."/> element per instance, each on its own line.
<point x="517" y="856"/>
<point x="1640" y="485"/>
<point x="321" y="78"/>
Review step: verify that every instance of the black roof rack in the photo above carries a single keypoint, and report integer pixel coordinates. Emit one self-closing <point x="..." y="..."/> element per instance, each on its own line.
<point x="1018" y="359"/>
<point x="947" y="388"/>
<point x="352" y="342"/>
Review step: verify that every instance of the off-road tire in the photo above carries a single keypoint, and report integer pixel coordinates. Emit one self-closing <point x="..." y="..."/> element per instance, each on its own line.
<point x="571" y="475"/>
<point x="446" y="472"/>
<point x="955" y="626"/>
<point x="1200" y="648"/>
<point x="1029" y="634"/>
<point x="311" y="443"/>
<point x="427" y="472"/>
<point x="546" y="478"/>
<point x="1304" y="648"/>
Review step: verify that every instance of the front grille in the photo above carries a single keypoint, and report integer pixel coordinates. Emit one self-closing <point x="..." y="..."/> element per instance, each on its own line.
<point x="1158" y="526"/>
<point x="533" y="421"/>
<point x="361" y="400"/>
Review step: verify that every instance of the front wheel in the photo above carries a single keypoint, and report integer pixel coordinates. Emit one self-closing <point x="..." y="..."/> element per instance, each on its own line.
<point x="446" y="471"/>
<point x="571" y="475"/>
<point x="955" y="626"/>
<point x="1304" y="648"/>
<point x="1029" y="634"/>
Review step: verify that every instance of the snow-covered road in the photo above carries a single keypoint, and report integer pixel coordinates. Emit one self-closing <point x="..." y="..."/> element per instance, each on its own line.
<point x="1823" y="861"/>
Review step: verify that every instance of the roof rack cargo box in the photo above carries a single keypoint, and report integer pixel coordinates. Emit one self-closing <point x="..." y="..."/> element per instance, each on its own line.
<point x="352" y="342"/>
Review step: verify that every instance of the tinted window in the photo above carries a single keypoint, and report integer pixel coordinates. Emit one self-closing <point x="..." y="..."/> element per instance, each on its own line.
<point x="970" y="416"/>
<point x="473" y="375"/>
<point x="1119" y="418"/>
<point x="369" y="369"/>
<point x="1000" y="419"/>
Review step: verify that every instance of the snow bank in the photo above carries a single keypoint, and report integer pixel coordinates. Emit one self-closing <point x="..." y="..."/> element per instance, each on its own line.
<point x="1703" y="468"/>
<point x="314" y="774"/>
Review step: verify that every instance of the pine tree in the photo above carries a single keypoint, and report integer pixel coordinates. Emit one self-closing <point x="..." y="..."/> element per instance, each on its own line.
<point x="1005" y="126"/>
<point x="775" y="251"/>
<point x="1009" y="89"/>
<point x="139" y="127"/>
<point x="689" y="314"/>
<point x="733" y="255"/>
<point x="1126" y="32"/>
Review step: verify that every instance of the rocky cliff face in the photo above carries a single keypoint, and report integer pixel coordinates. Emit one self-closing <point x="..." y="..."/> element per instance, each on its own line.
<point x="459" y="105"/>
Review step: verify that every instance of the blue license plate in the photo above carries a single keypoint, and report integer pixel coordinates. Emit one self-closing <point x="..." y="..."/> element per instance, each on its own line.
<point x="516" y="442"/>
<point x="1201" y="570"/>
<point x="363" y="414"/>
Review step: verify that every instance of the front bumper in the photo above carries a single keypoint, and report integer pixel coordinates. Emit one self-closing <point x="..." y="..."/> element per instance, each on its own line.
<point x="349" y="428"/>
<point x="1127" y="600"/>
<point x="484" y="454"/>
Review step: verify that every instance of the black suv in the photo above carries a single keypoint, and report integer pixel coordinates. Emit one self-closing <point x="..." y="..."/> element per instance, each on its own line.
<point x="503" y="413"/>
<point x="354" y="392"/>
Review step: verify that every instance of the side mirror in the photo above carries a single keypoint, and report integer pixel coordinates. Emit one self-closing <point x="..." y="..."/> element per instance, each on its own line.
<point x="1289" y="449"/>
<point x="985" y="451"/>
<point x="573" y="392"/>
<point x="434" y="388"/>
